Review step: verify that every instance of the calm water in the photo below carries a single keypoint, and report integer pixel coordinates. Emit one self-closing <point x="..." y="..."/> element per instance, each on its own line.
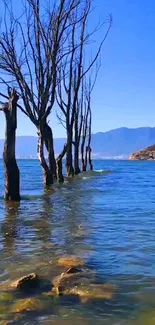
<point x="108" y="220"/>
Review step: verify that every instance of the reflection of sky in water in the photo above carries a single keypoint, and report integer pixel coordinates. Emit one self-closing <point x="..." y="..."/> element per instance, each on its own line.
<point x="106" y="219"/>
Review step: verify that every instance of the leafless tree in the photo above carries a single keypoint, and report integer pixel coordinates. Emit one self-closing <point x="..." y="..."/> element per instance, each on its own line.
<point x="32" y="49"/>
<point x="86" y="150"/>
<point x="71" y="73"/>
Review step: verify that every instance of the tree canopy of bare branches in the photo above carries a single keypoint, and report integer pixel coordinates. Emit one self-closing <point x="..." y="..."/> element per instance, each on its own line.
<point x="33" y="47"/>
<point x="72" y="72"/>
<point x="43" y="55"/>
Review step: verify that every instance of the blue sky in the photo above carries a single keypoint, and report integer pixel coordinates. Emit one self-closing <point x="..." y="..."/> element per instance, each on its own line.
<point x="124" y="94"/>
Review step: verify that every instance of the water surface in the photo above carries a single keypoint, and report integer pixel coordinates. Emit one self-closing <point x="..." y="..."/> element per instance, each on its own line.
<point x="106" y="219"/>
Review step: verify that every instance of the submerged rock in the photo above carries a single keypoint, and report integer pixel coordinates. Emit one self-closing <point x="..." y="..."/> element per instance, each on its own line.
<point x="27" y="305"/>
<point x="70" y="261"/>
<point x="26" y="282"/>
<point x="81" y="283"/>
<point x="93" y="291"/>
<point x="73" y="270"/>
<point x="5" y="296"/>
<point x="63" y="280"/>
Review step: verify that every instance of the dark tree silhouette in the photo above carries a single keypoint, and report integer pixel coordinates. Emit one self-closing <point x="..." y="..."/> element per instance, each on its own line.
<point x="72" y="72"/>
<point x="12" y="176"/>
<point x="32" y="49"/>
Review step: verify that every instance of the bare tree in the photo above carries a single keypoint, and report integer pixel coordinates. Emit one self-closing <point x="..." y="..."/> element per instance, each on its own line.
<point x="72" y="72"/>
<point x="86" y="150"/>
<point x="12" y="176"/>
<point x="32" y="47"/>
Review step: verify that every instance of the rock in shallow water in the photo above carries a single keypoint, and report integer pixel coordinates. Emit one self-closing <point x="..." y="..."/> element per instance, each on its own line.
<point x="81" y="284"/>
<point x="70" y="261"/>
<point x="26" y="282"/>
<point x="64" y="279"/>
<point x="93" y="291"/>
<point x="27" y="305"/>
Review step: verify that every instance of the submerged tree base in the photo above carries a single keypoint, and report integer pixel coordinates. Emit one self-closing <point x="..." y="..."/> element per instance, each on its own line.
<point x="11" y="181"/>
<point x="48" y="178"/>
<point x="69" y="171"/>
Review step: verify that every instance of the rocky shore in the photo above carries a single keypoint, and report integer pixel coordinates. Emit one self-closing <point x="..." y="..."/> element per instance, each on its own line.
<point x="145" y="154"/>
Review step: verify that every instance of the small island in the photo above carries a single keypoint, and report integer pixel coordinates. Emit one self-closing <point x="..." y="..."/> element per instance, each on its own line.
<point x="144" y="154"/>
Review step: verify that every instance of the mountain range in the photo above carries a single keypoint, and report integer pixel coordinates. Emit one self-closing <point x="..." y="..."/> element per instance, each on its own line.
<point x="118" y="143"/>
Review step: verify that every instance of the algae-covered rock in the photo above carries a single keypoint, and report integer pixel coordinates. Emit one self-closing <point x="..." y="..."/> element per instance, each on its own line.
<point x="49" y="294"/>
<point x="27" y="305"/>
<point x="93" y="291"/>
<point x="4" y="311"/>
<point x="76" y="282"/>
<point x="74" y="277"/>
<point x="70" y="261"/>
<point x="26" y="282"/>
<point x="6" y="296"/>
<point x="72" y="270"/>
<point x="66" y="279"/>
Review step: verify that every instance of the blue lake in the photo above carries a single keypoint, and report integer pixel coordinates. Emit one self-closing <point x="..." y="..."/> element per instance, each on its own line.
<point x="106" y="219"/>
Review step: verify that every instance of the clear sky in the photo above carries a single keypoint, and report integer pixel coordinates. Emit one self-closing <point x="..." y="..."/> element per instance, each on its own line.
<point x="124" y="94"/>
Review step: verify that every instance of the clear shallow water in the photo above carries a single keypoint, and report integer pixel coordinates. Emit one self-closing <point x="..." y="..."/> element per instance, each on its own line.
<point x="108" y="220"/>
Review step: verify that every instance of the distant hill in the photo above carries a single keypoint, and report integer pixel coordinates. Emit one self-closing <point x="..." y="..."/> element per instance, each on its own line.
<point x="119" y="143"/>
<point x="145" y="154"/>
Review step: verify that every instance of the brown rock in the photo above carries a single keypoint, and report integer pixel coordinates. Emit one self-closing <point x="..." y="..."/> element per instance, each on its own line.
<point x="27" y="305"/>
<point x="26" y="282"/>
<point x="81" y="285"/>
<point x="73" y="270"/>
<point x="49" y="293"/>
<point x="70" y="261"/>
<point x="93" y="291"/>
<point x="64" y="283"/>
<point x="61" y="281"/>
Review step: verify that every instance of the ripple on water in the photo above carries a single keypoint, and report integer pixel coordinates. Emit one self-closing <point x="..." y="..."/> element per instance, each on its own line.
<point x="106" y="219"/>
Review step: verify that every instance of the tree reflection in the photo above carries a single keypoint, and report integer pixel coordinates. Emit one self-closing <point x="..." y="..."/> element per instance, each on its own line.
<point x="9" y="228"/>
<point x="42" y="223"/>
<point x="72" y="221"/>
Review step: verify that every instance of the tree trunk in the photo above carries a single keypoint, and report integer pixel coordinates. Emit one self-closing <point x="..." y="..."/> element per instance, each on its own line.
<point x="82" y="155"/>
<point x="12" y="175"/>
<point x="50" y="149"/>
<point x="76" y="159"/>
<point x="89" y="141"/>
<point x="76" y="148"/>
<point x="69" y="157"/>
<point x="86" y="159"/>
<point x="60" y="178"/>
<point x="89" y="158"/>
<point x="47" y="174"/>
